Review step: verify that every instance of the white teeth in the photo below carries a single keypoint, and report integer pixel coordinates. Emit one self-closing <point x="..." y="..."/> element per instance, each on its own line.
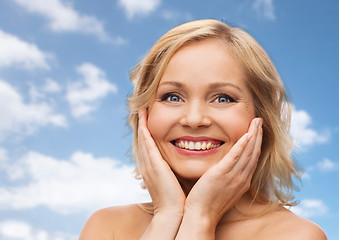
<point x="182" y="144"/>
<point x="196" y="145"/>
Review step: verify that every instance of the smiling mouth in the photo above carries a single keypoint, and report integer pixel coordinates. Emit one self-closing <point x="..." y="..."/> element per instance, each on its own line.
<point x="197" y="145"/>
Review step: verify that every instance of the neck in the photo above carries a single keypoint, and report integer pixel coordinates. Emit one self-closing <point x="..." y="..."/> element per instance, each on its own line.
<point x="186" y="184"/>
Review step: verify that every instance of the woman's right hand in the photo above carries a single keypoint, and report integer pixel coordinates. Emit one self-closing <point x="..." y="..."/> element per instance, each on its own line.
<point x="166" y="193"/>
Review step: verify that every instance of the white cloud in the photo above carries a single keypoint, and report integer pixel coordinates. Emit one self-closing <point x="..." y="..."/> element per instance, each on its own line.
<point x="309" y="208"/>
<point x="19" y="230"/>
<point x="16" y="52"/>
<point x="306" y="173"/>
<point x="136" y="7"/>
<point x="176" y="15"/>
<point x="24" y="118"/>
<point x="82" y="183"/>
<point x="51" y="86"/>
<point x="3" y="157"/>
<point x="265" y="8"/>
<point x="84" y="95"/>
<point x="63" y="18"/>
<point x="305" y="176"/>
<point x="118" y="40"/>
<point x="38" y="93"/>
<point x="302" y="132"/>
<point x="327" y="165"/>
<point x="34" y="93"/>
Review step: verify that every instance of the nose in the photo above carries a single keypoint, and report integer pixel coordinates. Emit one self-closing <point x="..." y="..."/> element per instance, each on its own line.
<point x="195" y="116"/>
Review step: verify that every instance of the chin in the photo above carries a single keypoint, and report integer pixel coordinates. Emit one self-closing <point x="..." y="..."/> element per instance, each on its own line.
<point x="192" y="172"/>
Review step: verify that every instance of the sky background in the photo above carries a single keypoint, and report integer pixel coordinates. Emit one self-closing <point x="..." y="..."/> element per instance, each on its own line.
<point x="63" y="84"/>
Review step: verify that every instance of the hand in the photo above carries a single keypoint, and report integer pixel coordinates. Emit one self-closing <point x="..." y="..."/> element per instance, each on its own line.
<point x="224" y="183"/>
<point x="160" y="181"/>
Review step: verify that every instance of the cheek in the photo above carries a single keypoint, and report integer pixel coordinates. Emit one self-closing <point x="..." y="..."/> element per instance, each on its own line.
<point x="240" y="127"/>
<point x="236" y="124"/>
<point x="159" y="121"/>
<point x="153" y="124"/>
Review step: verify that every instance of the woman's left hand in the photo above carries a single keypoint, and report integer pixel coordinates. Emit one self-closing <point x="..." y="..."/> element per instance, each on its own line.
<point x="223" y="185"/>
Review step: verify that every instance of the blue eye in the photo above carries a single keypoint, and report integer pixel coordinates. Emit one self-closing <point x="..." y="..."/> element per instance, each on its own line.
<point x="173" y="98"/>
<point x="170" y="97"/>
<point x="225" y="99"/>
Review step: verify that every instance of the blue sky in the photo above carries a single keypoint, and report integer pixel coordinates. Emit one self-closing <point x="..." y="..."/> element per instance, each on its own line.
<point x="63" y="85"/>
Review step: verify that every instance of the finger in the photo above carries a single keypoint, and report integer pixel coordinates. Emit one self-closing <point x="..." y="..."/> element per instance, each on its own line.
<point x="150" y="149"/>
<point x="228" y="162"/>
<point x="144" y="136"/>
<point x="257" y="151"/>
<point x="144" y="160"/>
<point x="142" y="114"/>
<point x="249" y="150"/>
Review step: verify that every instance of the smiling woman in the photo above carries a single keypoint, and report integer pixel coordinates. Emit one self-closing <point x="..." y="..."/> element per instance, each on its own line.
<point x="210" y="141"/>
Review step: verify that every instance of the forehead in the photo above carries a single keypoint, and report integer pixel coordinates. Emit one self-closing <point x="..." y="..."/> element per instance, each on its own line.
<point x="205" y="61"/>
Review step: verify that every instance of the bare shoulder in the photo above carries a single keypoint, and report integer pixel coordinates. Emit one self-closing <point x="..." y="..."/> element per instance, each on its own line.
<point x="290" y="226"/>
<point x="116" y="223"/>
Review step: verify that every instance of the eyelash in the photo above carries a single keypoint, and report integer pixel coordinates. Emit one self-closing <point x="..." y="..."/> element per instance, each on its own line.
<point x="166" y="97"/>
<point x="228" y="98"/>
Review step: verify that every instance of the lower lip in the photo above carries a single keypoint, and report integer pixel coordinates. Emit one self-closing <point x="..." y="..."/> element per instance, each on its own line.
<point x="196" y="153"/>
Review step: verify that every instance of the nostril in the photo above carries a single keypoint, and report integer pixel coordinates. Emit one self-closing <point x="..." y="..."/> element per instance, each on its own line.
<point x="195" y="115"/>
<point x="195" y="123"/>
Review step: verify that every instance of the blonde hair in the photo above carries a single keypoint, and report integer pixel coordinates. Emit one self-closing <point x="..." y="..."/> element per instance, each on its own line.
<point x="272" y="182"/>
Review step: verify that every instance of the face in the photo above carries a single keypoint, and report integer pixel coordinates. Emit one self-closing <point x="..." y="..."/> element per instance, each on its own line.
<point x="201" y="108"/>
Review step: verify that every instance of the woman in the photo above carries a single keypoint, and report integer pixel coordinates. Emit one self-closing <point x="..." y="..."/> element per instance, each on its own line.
<point x="211" y="143"/>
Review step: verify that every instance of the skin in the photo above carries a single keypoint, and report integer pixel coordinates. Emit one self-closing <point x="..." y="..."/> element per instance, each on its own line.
<point x="194" y="195"/>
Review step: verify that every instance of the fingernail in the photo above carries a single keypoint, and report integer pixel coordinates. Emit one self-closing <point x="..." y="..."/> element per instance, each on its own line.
<point x="258" y="122"/>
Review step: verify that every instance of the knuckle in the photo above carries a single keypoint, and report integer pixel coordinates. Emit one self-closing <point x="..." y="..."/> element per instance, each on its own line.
<point x="145" y="176"/>
<point x="257" y="155"/>
<point x="247" y="185"/>
<point x="143" y="173"/>
<point x="242" y="181"/>
<point x="238" y="180"/>
<point x="236" y="157"/>
<point x="156" y="171"/>
<point x="250" y="154"/>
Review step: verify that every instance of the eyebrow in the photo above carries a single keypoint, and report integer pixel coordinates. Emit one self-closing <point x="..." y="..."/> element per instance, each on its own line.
<point x="222" y="84"/>
<point x="176" y="84"/>
<point x="212" y="86"/>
